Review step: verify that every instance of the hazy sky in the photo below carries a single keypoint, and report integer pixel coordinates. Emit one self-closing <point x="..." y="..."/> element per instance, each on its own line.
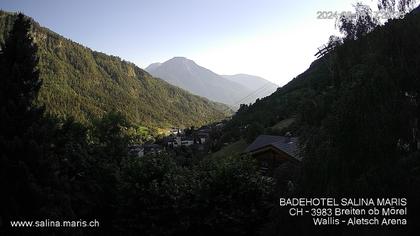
<point x="274" y="39"/>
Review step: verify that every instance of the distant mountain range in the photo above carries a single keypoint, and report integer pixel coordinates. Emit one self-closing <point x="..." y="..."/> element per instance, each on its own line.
<point x="232" y="90"/>
<point x="81" y="83"/>
<point x="254" y="83"/>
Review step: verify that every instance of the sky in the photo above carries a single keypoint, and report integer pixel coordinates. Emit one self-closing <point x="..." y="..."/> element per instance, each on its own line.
<point x="274" y="39"/>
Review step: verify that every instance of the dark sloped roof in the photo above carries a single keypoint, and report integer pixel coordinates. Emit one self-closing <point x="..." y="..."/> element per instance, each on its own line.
<point x="288" y="145"/>
<point x="416" y="10"/>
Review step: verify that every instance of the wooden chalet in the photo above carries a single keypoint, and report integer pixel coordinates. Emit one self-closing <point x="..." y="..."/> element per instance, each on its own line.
<point x="273" y="151"/>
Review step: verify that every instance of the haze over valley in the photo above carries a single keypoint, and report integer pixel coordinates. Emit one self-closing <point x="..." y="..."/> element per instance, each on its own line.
<point x="231" y="90"/>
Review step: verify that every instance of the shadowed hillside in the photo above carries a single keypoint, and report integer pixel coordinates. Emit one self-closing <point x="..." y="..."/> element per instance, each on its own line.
<point x="355" y="109"/>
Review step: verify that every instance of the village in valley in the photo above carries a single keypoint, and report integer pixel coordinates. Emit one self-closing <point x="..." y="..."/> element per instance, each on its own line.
<point x="176" y="139"/>
<point x="274" y="154"/>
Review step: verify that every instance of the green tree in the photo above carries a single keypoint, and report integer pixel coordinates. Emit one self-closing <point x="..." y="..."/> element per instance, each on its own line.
<point x="110" y="135"/>
<point x="19" y="80"/>
<point x="225" y="196"/>
<point x="392" y="6"/>
<point x="359" y="24"/>
<point x="252" y="131"/>
<point x="21" y="161"/>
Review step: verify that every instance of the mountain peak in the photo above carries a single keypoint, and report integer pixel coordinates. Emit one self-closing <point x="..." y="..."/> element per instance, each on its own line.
<point x="175" y="61"/>
<point x="153" y="66"/>
<point x="182" y="60"/>
<point x="179" y="58"/>
<point x="188" y="75"/>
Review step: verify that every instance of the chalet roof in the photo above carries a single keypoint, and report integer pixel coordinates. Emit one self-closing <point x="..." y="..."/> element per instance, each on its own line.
<point x="288" y="145"/>
<point x="416" y="10"/>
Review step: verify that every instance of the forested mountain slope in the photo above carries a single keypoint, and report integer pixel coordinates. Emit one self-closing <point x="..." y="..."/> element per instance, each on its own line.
<point x="356" y="111"/>
<point x="85" y="84"/>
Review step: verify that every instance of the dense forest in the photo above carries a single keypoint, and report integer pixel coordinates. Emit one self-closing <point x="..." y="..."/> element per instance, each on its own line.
<point x="84" y="84"/>
<point x="356" y="112"/>
<point x="60" y="169"/>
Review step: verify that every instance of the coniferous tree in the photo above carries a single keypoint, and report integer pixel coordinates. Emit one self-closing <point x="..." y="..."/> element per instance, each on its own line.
<point x="19" y="144"/>
<point x="19" y="79"/>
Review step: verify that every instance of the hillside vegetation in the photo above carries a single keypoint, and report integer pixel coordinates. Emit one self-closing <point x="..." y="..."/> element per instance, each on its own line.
<point x="84" y="84"/>
<point x="356" y="112"/>
<point x="61" y="169"/>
